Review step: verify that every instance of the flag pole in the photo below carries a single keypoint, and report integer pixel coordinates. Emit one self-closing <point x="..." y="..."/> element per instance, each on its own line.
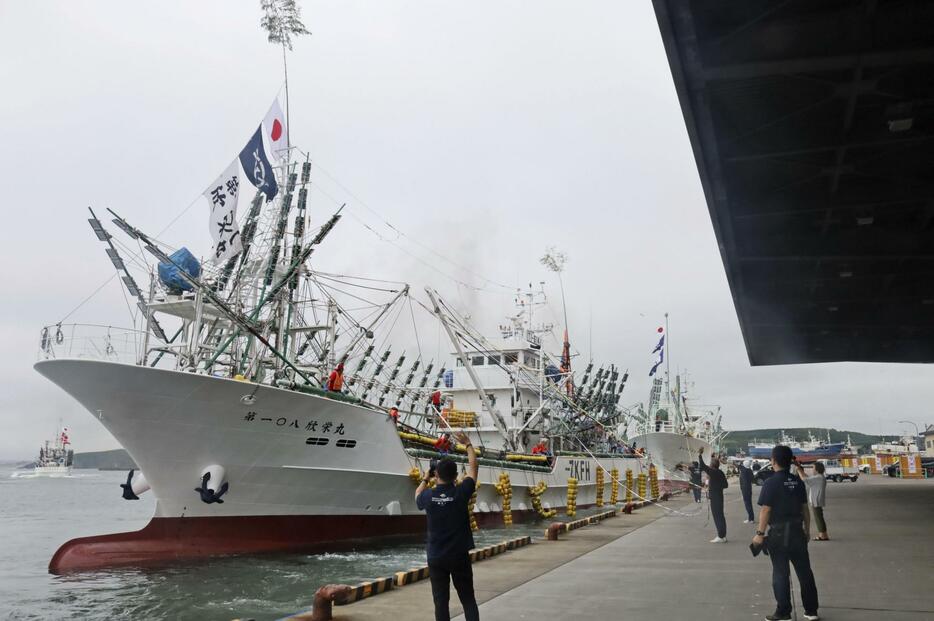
<point x="288" y="118"/>
<point x="668" y="357"/>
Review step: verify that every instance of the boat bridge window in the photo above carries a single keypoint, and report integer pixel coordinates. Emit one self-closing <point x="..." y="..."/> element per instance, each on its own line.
<point x="531" y="360"/>
<point x="477" y="361"/>
<point x="511" y="357"/>
<point x="493" y="360"/>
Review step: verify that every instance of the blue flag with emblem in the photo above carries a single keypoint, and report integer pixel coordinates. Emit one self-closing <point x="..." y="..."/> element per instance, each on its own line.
<point x="256" y="166"/>
<point x="661" y="358"/>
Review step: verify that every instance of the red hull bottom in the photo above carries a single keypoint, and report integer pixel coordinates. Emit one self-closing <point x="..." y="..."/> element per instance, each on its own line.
<point x="167" y="540"/>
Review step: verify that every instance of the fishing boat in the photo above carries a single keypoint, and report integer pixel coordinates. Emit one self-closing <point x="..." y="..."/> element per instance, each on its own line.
<point x="808" y="451"/>
<point x="266" y="414"/>
<point x="55" y="458"/>
<point x="671" y="431"/>
<point x="674" y="426"/>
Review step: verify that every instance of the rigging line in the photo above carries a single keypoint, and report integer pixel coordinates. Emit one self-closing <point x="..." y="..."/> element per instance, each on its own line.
<point x="395" y="243"/>
<point x="132" y="257"/>
<point x="415" y="329"/>
<point x="400" y="232"/>
<point x="390" y="282"/>
<point x="350" y="284"/>
<point x="323" y="286"/>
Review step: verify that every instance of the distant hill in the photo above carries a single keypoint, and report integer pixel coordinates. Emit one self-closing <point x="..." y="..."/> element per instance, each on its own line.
<point x="738" y="440"/>
<point x="104" y="460"/>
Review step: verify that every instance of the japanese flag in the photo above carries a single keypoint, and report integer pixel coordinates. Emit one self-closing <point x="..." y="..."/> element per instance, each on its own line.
<point x="223" y="196"/>
<point x="276" y="131"/>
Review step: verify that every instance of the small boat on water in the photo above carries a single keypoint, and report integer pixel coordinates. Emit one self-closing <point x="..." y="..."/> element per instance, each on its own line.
<point x="55" y="458"/>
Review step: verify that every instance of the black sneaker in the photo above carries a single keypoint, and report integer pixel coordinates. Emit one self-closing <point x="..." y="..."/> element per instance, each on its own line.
<point x="775" y="616"/>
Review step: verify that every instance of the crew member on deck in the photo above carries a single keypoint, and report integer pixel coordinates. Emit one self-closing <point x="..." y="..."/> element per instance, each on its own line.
<point x="434" y="402"/>
<point x="443" y="444"/>
<point x="541" y="448"/>
<point x="394" y="414"/>
<point x="336" y="380"/>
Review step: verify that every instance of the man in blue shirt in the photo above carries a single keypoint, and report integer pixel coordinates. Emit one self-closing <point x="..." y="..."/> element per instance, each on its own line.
<point x="784" y="500"/>
<point x="449" y="535"/>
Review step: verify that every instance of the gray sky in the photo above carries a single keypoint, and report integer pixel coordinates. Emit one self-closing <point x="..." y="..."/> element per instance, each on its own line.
<point x="484" y="130"/>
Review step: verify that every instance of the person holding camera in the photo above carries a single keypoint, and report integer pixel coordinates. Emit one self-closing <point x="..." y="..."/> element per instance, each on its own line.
<point x="449" y="536"/>
<point x="784" y="511"/>
<point x="816" y="485"/>
<point x="716" y="483"/>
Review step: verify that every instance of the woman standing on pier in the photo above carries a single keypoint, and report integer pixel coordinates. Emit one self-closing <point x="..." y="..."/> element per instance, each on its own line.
<point x="817" y="486"/>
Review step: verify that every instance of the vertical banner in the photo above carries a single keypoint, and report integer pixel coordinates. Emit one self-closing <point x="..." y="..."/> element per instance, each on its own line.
<point x="256" y="166"/>
<point x="223" y="196"/>
<point x="878" y="464"/>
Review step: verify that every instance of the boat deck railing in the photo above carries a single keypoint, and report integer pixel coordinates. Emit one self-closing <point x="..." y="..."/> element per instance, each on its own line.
<point x="91" y="341"/>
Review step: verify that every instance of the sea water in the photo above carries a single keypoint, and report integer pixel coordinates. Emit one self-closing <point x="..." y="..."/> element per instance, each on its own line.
<point x="38" y="514"/>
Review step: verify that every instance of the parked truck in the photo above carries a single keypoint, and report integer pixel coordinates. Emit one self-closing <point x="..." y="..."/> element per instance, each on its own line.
<point x="835" y="471"/>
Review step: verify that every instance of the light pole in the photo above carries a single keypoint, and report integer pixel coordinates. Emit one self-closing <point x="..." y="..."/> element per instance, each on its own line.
<point x="917" y="430"/>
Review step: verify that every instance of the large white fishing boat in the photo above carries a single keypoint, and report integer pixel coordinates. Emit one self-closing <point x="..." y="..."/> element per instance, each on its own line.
<point x="249" y="432"/>
<point x="672" y="430"/>
<point x="55" y="458"/>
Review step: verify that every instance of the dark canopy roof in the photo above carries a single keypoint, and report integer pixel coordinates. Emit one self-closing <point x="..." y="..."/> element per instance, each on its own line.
<point x="812" y="123"/>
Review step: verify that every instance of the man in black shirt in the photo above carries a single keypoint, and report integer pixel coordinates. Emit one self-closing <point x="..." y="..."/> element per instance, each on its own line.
<point x="449" y="534"/>
<point x="696" y="483"/>
<point x="716" y="483"/>
<point x="745" y="486"/>
<point x="784" y="510"/>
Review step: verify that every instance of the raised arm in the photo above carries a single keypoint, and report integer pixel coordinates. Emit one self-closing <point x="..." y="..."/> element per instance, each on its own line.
<point x="473" y="468"/>
<point x="423" y="484"/>
<point x="700" y="461"/>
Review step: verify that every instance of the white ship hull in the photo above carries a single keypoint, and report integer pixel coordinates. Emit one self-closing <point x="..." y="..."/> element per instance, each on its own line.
<point x="52" y="471"/>
<point x="672" y="452"/>
<point x="304" y="471"/>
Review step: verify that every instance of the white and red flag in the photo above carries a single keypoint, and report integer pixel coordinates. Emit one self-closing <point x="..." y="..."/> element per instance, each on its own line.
<point x="274" y="126"/>
<point x="65" y="436"/>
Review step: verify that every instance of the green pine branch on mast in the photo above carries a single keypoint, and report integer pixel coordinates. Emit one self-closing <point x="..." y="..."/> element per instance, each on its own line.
<point x="282" y="19"/>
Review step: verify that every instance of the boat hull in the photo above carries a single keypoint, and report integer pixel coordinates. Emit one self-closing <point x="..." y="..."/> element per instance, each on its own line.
<point x="671" y="452"/>
<point x="829" y="451"/>
<point x="52" y="471"/>
<point x="304" y="471"/>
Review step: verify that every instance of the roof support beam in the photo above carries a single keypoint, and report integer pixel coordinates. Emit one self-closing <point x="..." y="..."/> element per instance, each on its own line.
<point x="744" y="71"/>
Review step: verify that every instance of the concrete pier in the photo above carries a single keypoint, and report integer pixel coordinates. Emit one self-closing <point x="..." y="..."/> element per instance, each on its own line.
<point x="658" y="564"/>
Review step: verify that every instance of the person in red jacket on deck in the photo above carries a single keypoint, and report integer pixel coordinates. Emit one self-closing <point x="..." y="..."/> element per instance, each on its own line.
<point x="443" y="444"/>
<point x="394" y="414"/>
<point x="541" y="448"/>
<point x="434" y="402"/>
<point x="336" y="380"/>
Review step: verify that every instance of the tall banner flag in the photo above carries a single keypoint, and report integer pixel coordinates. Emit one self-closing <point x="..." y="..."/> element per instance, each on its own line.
<point x="660" y="350"/>
<point x="256" y="166"/>
<point x="223" y="196"/>
<point x="276" y="131"/>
